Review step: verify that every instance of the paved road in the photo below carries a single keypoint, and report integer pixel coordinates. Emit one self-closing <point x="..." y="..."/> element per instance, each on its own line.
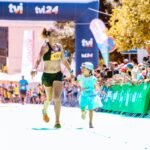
<point x="22" y="128"/>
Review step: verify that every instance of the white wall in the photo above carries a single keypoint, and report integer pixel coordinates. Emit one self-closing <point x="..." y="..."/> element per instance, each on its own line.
<point x="15" y="41"/>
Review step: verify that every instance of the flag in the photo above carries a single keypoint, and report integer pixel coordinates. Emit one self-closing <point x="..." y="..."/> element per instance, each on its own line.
<point x="104" y="43"/>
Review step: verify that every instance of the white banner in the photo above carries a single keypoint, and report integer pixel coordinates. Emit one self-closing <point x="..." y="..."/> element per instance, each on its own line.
<point x="140" y="54"/>
<point x="98" y="30"/>
<point x="27" y="54"/>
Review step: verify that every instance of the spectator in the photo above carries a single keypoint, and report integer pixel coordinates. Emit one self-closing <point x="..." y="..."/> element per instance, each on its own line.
<point x="23" y="83"/>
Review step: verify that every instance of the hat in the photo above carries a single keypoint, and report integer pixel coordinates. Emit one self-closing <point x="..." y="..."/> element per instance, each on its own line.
<point x="88" y="65"/>
<point x="125" y="60"/>
<point x="129" y="66"/>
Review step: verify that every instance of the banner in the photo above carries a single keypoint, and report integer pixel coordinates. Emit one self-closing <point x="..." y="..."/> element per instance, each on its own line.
<point x="127" y="98"/>
<point x="44" y="9"/>
<point x="27" y="53"/>
<point x="86" y="48"/>
<point x="104" y="43"/>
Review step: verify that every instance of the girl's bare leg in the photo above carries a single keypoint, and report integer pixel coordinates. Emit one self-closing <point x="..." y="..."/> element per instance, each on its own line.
<point x="90" y="118"/>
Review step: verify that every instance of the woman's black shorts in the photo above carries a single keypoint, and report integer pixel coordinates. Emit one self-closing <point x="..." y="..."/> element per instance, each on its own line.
<point x="49" y="78"/>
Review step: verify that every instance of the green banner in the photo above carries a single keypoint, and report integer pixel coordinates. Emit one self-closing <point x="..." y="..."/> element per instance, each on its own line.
<point x="127" y="98"/>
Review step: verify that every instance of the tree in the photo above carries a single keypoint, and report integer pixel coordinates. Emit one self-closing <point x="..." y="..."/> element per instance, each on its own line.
<point x="67" y="35"/>
<point x="130" y="24"/>
<point x="106" y="6"/>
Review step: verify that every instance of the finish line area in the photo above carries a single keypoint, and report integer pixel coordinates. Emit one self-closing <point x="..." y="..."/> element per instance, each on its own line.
<point x="22" y="128"/>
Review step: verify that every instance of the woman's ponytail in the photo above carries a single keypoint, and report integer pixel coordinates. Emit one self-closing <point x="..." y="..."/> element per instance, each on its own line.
<point x="45" y="33"/>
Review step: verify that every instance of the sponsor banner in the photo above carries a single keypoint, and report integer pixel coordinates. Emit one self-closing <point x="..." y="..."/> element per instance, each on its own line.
<point x="105" y="44"/>
<point x="86" y="48"/>
<point x="27" y="53"/>
<point x="44" y="10"/>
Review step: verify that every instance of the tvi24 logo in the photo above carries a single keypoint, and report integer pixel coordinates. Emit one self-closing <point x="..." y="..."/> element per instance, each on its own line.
<point x="15" y="9"/>
<point x="87" y="43"/>
<point x="47" y="10"/>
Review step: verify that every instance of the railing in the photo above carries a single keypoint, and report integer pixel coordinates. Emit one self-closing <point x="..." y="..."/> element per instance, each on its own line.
<point x="127" y="98"/>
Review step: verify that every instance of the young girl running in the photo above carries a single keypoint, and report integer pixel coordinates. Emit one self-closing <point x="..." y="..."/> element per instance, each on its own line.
<point x="89" y="98"/>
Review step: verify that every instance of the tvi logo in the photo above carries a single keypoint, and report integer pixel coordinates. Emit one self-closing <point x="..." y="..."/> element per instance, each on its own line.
<point x="87" y="43"/>
<point x="46" y="10"/>
<point x="16" y="9"/>
<point x="87" y="55"/>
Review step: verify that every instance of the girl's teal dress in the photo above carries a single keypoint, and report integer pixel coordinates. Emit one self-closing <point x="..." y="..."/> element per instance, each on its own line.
<point x="89" y="98"/>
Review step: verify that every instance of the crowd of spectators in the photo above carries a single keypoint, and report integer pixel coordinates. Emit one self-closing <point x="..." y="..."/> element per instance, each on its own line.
<point x="3" y="68"/>
<point x="126" y="72"/>
<point x="116" y="73"/>
<point x="10" y="93"/>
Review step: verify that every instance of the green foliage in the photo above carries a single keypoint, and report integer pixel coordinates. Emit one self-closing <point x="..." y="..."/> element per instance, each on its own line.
<point x="130" y="24"/>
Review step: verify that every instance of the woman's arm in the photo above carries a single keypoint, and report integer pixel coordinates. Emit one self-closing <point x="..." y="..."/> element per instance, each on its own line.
<point x="65" y="62"/>
<point x="38" y="60"/>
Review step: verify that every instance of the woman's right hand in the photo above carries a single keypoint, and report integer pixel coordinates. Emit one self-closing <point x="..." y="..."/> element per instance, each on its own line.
<point x="33" y="73"/>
